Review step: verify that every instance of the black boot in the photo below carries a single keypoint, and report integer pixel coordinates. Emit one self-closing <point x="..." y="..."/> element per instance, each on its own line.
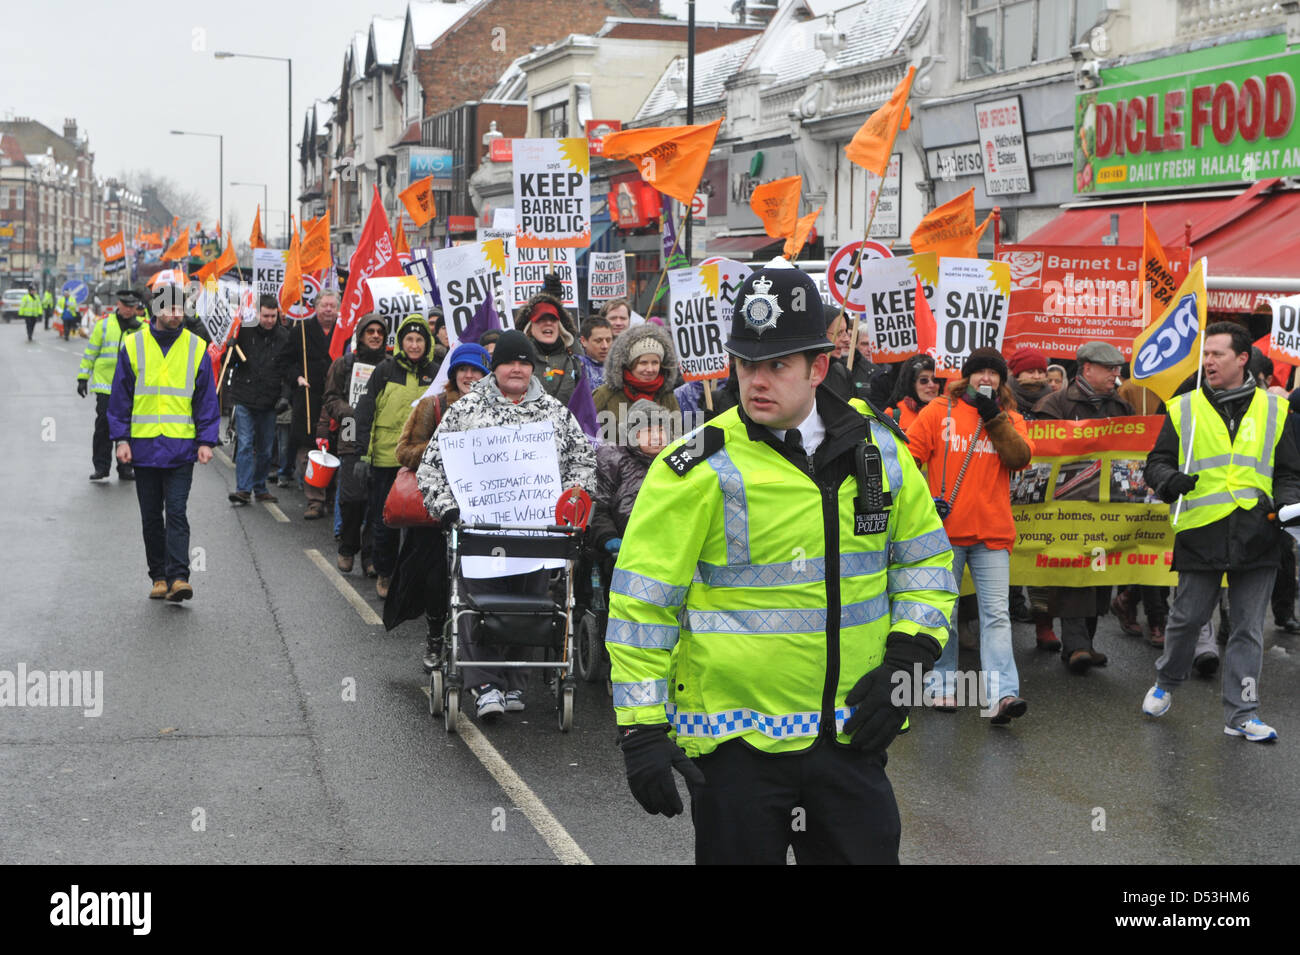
<point x="433" y="645"/>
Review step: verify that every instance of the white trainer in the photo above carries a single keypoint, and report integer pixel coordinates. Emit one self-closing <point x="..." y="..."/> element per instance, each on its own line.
<point x="1254" y="729"/>
<point x="1157" y="702"/>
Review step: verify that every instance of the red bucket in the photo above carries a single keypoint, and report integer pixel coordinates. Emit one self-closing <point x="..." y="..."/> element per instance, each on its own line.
<point x="321" y="466"/>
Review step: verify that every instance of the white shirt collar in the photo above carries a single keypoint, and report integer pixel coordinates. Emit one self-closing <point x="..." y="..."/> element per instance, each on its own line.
<point x="812" y="430"/>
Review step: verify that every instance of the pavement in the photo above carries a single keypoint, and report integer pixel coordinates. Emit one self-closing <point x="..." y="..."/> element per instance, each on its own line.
<point x="267" y="721"/>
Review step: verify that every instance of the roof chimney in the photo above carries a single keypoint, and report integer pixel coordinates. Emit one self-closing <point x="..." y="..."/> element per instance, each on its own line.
<point x="70" y="130"/>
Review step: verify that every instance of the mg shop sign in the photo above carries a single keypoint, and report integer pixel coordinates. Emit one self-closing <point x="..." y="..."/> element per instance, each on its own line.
<point x="1233" y="123"/>
<point x="426" y="161"/>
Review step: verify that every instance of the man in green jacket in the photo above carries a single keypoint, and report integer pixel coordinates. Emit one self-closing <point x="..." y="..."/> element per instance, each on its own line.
<point x="782" y="635"/>
<point x="98" y="364"/>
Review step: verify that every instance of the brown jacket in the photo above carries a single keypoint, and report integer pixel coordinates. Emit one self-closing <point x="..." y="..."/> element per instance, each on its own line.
<point x="420" y="426"/>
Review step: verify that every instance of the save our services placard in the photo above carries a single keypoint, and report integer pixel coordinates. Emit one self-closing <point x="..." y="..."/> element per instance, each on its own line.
<point x="695" y="322"/>
<point x="395" y="298"/>
<point x="552" y="193"/>
<point x="469" y="276"/>
<point x="888" y="294"/>
<point x="972" y="308"/>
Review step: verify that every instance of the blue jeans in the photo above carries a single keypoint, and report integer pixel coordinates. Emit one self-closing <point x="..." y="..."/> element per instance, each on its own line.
<point x="990" y="570"/>
<point x="166" y="542"/>
<point x="255" y="432"/>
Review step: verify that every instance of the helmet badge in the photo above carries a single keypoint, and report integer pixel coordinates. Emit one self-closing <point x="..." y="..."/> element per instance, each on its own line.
<point x="761" y="308"/>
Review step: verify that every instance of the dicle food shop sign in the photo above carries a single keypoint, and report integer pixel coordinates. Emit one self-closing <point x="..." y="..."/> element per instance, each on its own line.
<point x="1234" y="123"/>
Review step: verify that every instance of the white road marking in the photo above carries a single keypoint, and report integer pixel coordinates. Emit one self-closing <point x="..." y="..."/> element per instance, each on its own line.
<point x="223" y="458"/>
<point x="278" y="514"/>
<point x="547" y="826"/>
<point x="363" y="609"/>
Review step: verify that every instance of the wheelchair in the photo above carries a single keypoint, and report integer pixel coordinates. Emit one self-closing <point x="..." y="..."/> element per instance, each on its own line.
<point x="543" y="621"/>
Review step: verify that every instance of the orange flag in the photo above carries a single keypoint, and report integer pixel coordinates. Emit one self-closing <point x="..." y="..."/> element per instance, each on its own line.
<point x="776" y="204"/>
<point x="872" y="145"/>
<point x="315" y="249"/>
<point x="927" y="334"/>
<point x="198" y="227"/>
<point x="1154" y="268"/>
<point x="218" y="266"/>
<point x="255" y="238"/>
<point x="400" y="245"/>
<point x="418" y="199"/>
<point x="196" y="251"/>
<point x="291" y="290"/>
<point x="950" y="229"/>
<point x="795" y="243"/>
<point x="179" y="248"/>
<point x="670" y="158"/>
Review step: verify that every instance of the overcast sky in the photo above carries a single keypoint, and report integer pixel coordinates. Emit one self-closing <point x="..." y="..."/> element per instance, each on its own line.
<point x="130" y="71"/>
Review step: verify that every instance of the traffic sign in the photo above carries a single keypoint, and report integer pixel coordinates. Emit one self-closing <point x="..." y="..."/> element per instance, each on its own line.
<point x="700" y="207"/>
<point x="78" y="290"/>
<point x="841" y="264"/>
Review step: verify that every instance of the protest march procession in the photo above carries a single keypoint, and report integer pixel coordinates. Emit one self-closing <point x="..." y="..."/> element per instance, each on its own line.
<point x="812" y="412"/>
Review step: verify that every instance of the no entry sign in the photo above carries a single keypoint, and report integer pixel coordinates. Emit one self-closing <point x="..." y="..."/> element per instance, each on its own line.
<point x="844" y="291"/>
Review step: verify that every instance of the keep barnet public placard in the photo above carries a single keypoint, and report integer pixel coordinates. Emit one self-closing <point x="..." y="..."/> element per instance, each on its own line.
<point x="606" y="276"/>
<point x="503" y="475"/>
<point x="1063" y="296"/>
<point x="552" y="193"/>
<point x="1083" y="511"/>
<point x="972" y="309"/>
<point x="268" y="271"/>
<point x="889" y="294"/>
<point x="695" y="322"/>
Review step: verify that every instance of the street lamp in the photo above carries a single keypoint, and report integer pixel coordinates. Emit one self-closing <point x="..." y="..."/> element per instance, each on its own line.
<point x="226" y="55"/>
<point x="221" y="171"/>
<point x="255" y="185"/>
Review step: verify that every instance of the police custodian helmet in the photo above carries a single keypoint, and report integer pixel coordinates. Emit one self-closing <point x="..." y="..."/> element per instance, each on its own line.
<point x="778" y="312"/>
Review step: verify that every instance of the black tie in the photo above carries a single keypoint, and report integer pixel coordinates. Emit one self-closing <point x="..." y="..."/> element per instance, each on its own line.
<point x="794" y="441"/>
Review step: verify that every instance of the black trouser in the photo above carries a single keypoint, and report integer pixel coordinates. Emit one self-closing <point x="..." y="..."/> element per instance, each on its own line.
<point x="31" y="324"/>
<point x="47" y="319"/>
<point x="831" y="803"/>
<point x="1284" y="585"/>
<point x="387" y="539"/>
<point x="101" y="446"/>
<point x="354" y="502"/>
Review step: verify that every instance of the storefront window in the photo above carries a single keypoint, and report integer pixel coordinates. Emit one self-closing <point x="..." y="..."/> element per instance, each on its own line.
<point x="1010" y="34"/>
<point x="553" y="122"/>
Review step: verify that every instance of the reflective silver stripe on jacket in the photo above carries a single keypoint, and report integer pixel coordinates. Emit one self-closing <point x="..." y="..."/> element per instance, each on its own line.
<point x="735" y="516"/>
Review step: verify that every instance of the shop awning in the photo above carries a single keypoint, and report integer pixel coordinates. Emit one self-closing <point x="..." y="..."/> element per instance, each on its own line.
<point x="1250" y="236"/>
<point x="734" y="246"/>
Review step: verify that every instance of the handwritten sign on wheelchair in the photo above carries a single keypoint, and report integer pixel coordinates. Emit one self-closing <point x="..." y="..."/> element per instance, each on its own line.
<point x="503" y="475"/>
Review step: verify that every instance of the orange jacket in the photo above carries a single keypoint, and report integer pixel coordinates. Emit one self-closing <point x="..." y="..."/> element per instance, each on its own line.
<point x="981" y="511"/>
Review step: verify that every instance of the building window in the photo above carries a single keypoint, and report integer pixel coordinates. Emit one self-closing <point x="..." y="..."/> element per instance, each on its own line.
<point x="553" y="121"/>
<point x="1010" y="34"/>
<point x="379" y="101"/>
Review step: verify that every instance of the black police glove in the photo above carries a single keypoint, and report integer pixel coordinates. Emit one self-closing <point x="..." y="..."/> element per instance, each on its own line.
<point x="1177" y="485"/>
<point x="282" y="406"/>
<point x="82" y="386"/>
<point x="986" y="406"/>
<point x="877" y="720"/>
<point x="650" y="757"/>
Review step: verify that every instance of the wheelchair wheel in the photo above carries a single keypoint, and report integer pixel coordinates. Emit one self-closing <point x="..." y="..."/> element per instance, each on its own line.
<point x="452" y="709"/>
<point x="587" y="649"/>
<point x="436" y="687"/>
<point x="566" y="709"/>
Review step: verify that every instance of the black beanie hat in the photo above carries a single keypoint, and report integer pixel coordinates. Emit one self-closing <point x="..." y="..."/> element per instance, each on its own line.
<point x="513" y="346"/>
<point x="982" y="358"/>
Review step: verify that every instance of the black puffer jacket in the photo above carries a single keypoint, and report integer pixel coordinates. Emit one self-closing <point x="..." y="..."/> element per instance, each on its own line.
<point x="255" y="380"/>
<point x="561" y="368"/>
<point x="1245" y="539"/>
<point x="619" y="472"/>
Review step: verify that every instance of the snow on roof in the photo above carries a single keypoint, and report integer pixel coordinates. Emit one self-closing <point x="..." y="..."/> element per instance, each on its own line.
<point x="324" y="114"/>
<point x="357" y="56"/>
<point x="512" y="83"/>
<point x="712" y="70"/>
<point x="431" y="20"/>
<point x="385" y="40"/>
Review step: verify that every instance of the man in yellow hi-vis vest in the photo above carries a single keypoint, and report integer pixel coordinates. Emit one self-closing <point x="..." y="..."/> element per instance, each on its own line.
<point x="1228" y="450"/>
<point x="163" y="414"/>
<point x="784" y="575"/>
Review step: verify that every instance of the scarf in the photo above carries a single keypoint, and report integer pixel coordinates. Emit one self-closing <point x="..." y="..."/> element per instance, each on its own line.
<point x="1090" y="394"/>
<point x="1227" y="396"/>
<point x="635" y="388"/>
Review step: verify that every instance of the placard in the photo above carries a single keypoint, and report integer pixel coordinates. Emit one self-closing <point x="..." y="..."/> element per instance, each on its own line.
<point x="606" y="276"/>
<point x="471" y="278"/>
<point x="395" y="298"/>
<point x="695" y="323"/>
<point x="972" y="309"/>
<point x="1284" y="341"/>
<point x="361" y="372"/>
<point x="845" y="283"/>
<point x="552" y="193"/>
<point x="216" y="310"/>
<point x="528" y="268"/>
<point x="268" y="271"/>
<point x="889" y="295"/>
<point x="503" y="475"/>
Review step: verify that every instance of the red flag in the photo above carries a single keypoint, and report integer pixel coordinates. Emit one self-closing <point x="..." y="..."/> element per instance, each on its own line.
<point x="374" y="257"/>
<point x="927" y="335"/>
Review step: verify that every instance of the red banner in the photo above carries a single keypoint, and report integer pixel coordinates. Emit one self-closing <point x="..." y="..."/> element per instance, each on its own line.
<point x="1065" y="295"/>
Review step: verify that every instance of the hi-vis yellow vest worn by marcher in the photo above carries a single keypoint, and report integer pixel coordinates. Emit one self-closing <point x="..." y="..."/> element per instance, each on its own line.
<point x="746" y="605"/>
<point x="1231" y="473"/>
<point x="164" y="384"/>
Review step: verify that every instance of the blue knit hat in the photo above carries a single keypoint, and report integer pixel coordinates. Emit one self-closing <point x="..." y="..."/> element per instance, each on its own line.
<point x="470" y="354"/>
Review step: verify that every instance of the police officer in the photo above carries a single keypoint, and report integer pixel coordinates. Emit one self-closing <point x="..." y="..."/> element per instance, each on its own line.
<point x="47" y="307"/>
<point x="98" y="363"/>
<point x="30" y="310"/>
<point x="808" y="568"/>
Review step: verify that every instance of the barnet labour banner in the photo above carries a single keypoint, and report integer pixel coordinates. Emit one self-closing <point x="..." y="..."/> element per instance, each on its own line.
<point x="1084" y="514"/>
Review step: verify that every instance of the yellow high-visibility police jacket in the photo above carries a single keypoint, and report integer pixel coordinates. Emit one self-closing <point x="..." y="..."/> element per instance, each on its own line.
<point x="1234" y="472"/>
<point x="164" y="384"/>
<point x="749" y="597"/>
